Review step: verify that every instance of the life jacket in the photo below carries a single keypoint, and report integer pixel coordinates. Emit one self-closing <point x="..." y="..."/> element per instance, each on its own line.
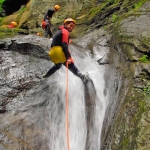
<point x="10" y="26"/>
<point x="43" y="25"/>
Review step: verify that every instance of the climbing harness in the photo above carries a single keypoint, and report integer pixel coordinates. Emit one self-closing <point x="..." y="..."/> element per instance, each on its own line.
<point x="67" y="118"/>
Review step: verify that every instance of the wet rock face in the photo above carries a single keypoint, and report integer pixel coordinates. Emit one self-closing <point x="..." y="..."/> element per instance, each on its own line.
<point x="26" y="101"/>
<point x="130" y="127"/>
<point x="30" y="17"/>
<point x="21" y="65"/>
<point x="134" y="33"/>
<point x="23" y="60"/>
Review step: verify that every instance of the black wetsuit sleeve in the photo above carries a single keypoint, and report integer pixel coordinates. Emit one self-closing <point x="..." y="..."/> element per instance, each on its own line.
<point x="49" y="13"/>
<point x="45" y="17"/>
<point x="65" y="50"/>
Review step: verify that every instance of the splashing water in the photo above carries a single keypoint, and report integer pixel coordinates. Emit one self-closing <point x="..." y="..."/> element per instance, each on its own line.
<point x="82" y="132"/>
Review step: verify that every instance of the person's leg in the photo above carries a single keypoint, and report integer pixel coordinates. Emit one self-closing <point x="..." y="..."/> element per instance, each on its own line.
<point x="49" y="29"/>
<point x="46" y="31"/>
<point x="50" y="33"/>
<point x="76" y="72"/>
<point x="73" y="68"/>
<point x="52" y="70"/>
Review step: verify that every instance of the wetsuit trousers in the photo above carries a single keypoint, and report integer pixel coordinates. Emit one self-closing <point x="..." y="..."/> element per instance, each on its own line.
<point x="56" y="67"/>
<point x="48" y="30"/>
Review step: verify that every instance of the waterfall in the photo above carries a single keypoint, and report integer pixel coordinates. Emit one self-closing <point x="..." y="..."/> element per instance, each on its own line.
<point x="87" y="105"/>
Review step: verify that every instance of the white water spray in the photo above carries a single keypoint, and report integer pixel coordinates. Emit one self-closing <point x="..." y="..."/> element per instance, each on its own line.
<point x="55" y="131"/>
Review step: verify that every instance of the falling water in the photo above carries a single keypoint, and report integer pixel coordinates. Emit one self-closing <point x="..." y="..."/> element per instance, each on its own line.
<point x="84" y="135"/>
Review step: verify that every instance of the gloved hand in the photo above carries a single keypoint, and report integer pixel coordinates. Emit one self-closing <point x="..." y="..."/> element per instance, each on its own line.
<point x="70" y="40"/>
<point x="70" y="60"/>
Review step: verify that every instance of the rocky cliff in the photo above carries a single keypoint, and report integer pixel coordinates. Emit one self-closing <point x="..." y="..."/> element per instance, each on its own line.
<point x="126" y="123"/>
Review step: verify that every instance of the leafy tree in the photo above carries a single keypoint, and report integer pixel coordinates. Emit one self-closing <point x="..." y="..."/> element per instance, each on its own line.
<point x="1" y="2"/>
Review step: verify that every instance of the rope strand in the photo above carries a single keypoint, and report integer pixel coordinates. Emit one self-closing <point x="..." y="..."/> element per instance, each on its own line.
<point x="67" y="115"/>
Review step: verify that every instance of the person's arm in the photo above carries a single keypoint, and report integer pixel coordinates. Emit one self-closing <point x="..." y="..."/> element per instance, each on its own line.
<point x="70" y="40"/>
<point x="45" y="16"/>
<point x="65" y="36"/>
<point x="50" y="13"/>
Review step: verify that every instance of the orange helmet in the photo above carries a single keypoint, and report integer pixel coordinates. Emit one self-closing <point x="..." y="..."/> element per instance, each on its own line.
<point x="57" y="7"/>
<point x="13" y="23"/>
<point x="38" y="34"/>
<point x="69" y="20"/>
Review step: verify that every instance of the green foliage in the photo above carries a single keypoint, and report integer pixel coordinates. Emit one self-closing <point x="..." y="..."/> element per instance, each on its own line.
<point x="114" y="18"/>
<point x="1" y="19"/>
<point x="108" y="0"/>
<point x="105" y="27"/>
<point x="22" y="10"/>
<point x="147" y="90"/>
<point x="1" y="2"/>
<point x="96" y="10"/>
<point x="9" y="32"/>
<point x="111" y="1"/>
<point x="144" y="58"/>
<point x="139" y="4"/>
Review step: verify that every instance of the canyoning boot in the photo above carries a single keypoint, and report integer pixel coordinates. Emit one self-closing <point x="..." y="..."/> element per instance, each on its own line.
<point x="44" y="76"/>
<point x="40" y="77"/>
<point x="83" y="77"/>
